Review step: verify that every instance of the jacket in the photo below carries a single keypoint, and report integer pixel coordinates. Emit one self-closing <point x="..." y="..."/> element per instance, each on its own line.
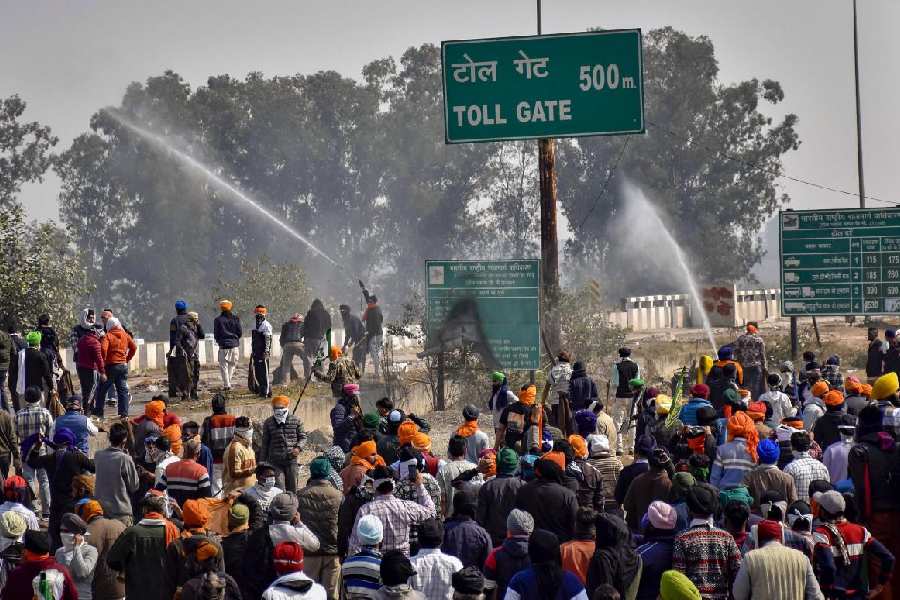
<point x="506" y="560"/>
<point x="261" y="340"/>
<point x="853" y="578"/>
<point x="826" y="431"/>
<point x="18" y="585"/>
<point x="116" y="481"/>
<point x="626" y="476"/>
<point x="343" y="424"/>
<point x="61" y="467"/>
<point x="875" y="459"/>
<point x="465" y="539"/>
<point x="318" y="504"/>
<point x="294" y="586"/>
<point x="9" y="441"/>
<point x="374" y="320"/>
<point x="354" y="330"/>
<point x="89" y="353"/>
<point x="552" y="506"/>
<point x="688" y="413"/>
<point x="117" y="347"/>
<point x="140" y="554"/>
<point x="38" y="371"/>
<point x="590" y="485"/>
<point x="77" y="423"/>
<point x="216" y="432"/>
<point x="496" y="499"/>
<point x="234" y="546"/>
<point x="103" y="534"/>
<point x="238" y="466"/>
<point x="650" y="486"/>
<point x="291" y="331"/>
<point x="732" y="463"/>
<point x="316" y="322"/>
<point x="193" y="588"/>
<point x="227" y="330"/>
<point x="278" y="440"/>
<point x="769" y="477"/>
<point x="656" y="558"/>
<point x="81" y="565"/>
<point x="178" y="568"/>
<point x="582" y="390"/>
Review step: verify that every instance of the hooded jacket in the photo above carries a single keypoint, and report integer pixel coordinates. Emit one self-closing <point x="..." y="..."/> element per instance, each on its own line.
<point x="506" y="560"/>
<point x="90" y="353"/>
<point x="552" y="506"/>
<point x="582" y="390"/>
<point x="294" y="586"/>
<point x="872" y="460"/>
<point x="117" y="346"/>
<point x="496" y="499"/>
<point x="317" y="322"/>
<point x="615" y="561"/>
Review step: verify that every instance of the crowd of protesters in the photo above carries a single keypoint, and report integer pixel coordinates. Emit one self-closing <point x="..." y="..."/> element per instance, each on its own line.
<point x="751" y="483"/>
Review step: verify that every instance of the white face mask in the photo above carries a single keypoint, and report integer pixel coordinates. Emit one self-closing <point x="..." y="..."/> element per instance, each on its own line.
<point x="247" y="433"/>
<point x="68" y="540"/>
<point x="280" y="414"/>
<point x="267" y="483"/>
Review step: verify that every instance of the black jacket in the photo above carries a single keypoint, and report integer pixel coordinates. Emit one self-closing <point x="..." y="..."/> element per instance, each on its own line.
<point x="496" y="499"/>
<point x="317" y="322"/>
<point x="354" y="330"/>
<point x="38" y="371"/>
<point x="291" y="331"/>
<point x="582" y="390"/>
<point x="552" y="506"/>
<point x="874" y="460"/>
<point x="374" y="321"/>
<point x="826" y="431"/>
<point x="227" y="330"/>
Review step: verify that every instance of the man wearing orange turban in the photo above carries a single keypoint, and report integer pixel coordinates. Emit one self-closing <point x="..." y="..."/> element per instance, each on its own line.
<point x="738" y="456"/>
<point x="283" y="438"/>
<point x="227" y="332"/>
<point x="363" y="458"/>
<point x="813" y="404"/>
<point x="517" y="419"/>
<point x="406" y="432"/>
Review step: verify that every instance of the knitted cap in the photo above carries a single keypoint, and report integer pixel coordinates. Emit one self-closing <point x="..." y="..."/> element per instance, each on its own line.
<point x="12" y="525"/>
<point x="661" y="515"/>
<point x="519" y="522"/>
<point x="370" y="530"/>
<point x="283" y="507"/>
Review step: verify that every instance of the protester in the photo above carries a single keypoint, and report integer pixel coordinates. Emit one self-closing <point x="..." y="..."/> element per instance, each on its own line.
<point x="395" y="571"/>
<point x="361" y="572"/>
<point x="36" y="559"/>
<point x="766" y="475"/>
<point x="239" y="459"/>
<point x="374" y="321"/>
<point x="282" y="440"/>
<point x="501" y="397"/>
<point x="89" y="365"/>
<point x="315" y="325"/>
<point x="708" y="555"/>
<point x="16" y="494"/>
<point x="34" y="420"/>
<point x="774" y="571"/>
<point x="497" y="497"/>
<point x="738" y="456"/>
<point x="656" y="550"/>
<point x="118" y="349"/>
<point x="102" y="533"/>
<point x="552" y="505"/>
<point x="804" y="468"/>
<point x="227" y="332"/>
<point x="265" y="489"/>
<point x="558" y="378"/>
<point x="545" y="577"/>
<point x="140" y="552"/>
<point x="292" y="583"/>
<point x="345" y="415"/>
<point x="648" y="487"/>
<point x="643" y="448"/>
<point x="517" y="420"/>
<point x="397" y="515"/>
<point x="476" y="440"/>
<point x="453" y="468"/>
<point x="750" y="352"/>
<point x="12" y="530"/>
<point x="77" y="555"/>
<point x="260" y="349"/>
<point x="216" y="433"/>
<point x="577" y="554"/>
<point x="117" y="477"/>
<point x="291" y="342"/>
<point x="433" y="567"/>
<point x="318" y="505"/>
<point x="511" y="556"/>
<point x="885" y="393"/>
<point x="464" y="538"/>
<point x="187" y="479"/>
<point x="354" y="336"/>
<point x="234" y="543"/>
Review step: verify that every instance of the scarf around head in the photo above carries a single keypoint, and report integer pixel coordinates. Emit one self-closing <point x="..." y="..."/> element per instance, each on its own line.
<point x="468" y="428"/>
<point x="406" y="432"/>
<point x="359" y="454"/>
<point x="528" y="395"/>
<point x="741" y="425"/>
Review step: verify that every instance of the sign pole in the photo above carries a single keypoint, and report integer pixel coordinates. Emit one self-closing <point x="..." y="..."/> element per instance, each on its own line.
<point x="549" y="234"/>
<point x="859" y="150"/>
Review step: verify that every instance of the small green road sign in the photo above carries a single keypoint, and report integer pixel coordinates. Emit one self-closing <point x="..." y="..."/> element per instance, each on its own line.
<point x="507" y="295"/>
<point x="840" y="262"/>
<point x="562" y="85"/>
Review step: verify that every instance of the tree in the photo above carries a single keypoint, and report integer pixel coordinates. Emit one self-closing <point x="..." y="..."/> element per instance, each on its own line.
<point x="710" y="161"/>
<point x="24" y="150"/>
<point x="39" y="271"/>
<point x="281" y="288"/>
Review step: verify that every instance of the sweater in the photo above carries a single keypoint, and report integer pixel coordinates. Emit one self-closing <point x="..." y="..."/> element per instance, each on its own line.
<point x="90" y="353"/>
<point x="709" y="557"/>
<point x="81" y="563"/>
<point x="732" y="463"/>
<point x="117" y="480"/>
<point x="775" y="572"/>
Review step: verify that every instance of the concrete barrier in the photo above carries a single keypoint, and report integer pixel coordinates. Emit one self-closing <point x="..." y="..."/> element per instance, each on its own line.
<point x="674" y="311"/>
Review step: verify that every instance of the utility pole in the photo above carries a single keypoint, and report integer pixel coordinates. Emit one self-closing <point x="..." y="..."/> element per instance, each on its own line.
<point x="549" y="238"/>
<point x="859" y="150"/>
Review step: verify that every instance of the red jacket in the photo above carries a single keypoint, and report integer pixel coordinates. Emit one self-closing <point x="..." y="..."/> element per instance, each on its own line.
<point x="90" y="353"/>
<point x="18" y="585"/>
<point x="118" y="347"/>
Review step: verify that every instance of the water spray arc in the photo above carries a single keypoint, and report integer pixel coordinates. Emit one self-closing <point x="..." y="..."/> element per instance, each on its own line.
<point x="635" y="197"/>
<point x="196" y="165"/>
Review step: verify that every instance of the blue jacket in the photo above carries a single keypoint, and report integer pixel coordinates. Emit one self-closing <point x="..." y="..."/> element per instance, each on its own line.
<point x="582" y="390"/>
<point x="688" y="413"/>
<point x="656" y="558"/>
<point x="465" y="539"/>
<point x="732" y="463"/>
<point x="342" y="425"/>
<point x="77" y="423"/>
<point x="227" y="330"/>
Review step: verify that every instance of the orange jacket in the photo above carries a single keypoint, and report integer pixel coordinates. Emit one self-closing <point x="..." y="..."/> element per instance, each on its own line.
<point x="117" y="347"/>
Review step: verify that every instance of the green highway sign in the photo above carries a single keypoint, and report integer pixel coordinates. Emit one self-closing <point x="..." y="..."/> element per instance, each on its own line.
<point x="507" y="294"/>
<point x="562" y="85"/>
<point x="840" y="262"/>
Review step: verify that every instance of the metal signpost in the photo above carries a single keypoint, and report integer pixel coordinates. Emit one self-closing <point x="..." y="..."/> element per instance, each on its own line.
<point x="507" y="294"/>
<point x="561" y="85"/>
<point x="840" y="262"/>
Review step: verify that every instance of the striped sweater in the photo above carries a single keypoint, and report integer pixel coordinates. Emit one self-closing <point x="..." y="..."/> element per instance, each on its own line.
<point x="186" y="480"/>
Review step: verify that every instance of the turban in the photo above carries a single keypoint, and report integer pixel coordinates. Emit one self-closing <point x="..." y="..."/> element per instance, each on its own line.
<point x="205" y="551"/>
<point x="852" y="384"/>
<point x="238" y="515"/>
<point x="288" y="558"/>
<point x="768" y="530"/>
<point x="768" y="452"/>
<point x="154" y="410"/>
<point x="507" y="461"/>
<point x="725" y="353"/>
<point x="675" y="585"/>
<point x="406" y="431"/>
<point x="421" y="441"/>
<point x="350" y="389"/>
<point x="90" y="509"/>
<point x="683" y="481"/>
<point x="195" y="513"/>
<point x="645" y="444"/>
<point x="598" y="444"/>
<point x="519" y="522"/>
<point x="661" y="515"/>
<point x="866" y="390"/>
<point x="470" y="412"/>
<point x="702" y="499"/>
<point x="280" y="401"/>
<point x="735" y="494"/>
<point x="173" y="434"/>
<point x="497" y="377"/>
<point x="33" y="338"/>
<point x="557" y="458"/>
<point x="833" y="398"/>
<point x="180" y="305"/>
<point x="820" y="388"/>
<point x="487" y="465"/>
<point x="283" y="507"/>
<point x="369" y="530"/>
<point x="663" y="404"/>
<point x="528" y="395"/>
<point x="370" y="420"/>
<point x="586" y="422"/>
<point x="741" y="425"/>
<point x="64" y="437"/>
<point x="225" y="304"/>
<point x="579" y="445"/>
<point x="701" y="390"/>
<point x="73" y="523"/>
<point x="319" y="468"/>
<point x="361" y="453"/>
<point x="335" y="353"/>
<point x="885" y="386"/>
<point x="468" y="581"/>
<point x="12" y="525"/>
<point x="637" y="382"/>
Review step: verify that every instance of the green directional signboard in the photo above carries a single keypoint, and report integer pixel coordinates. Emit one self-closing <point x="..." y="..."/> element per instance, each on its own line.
<point x="507" y="294"/>
<point x="840" y="262"/>
<point x="562" y="85"/>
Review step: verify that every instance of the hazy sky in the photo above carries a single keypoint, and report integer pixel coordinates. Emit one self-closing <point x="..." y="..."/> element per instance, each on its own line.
<point x="69" y="58"/>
